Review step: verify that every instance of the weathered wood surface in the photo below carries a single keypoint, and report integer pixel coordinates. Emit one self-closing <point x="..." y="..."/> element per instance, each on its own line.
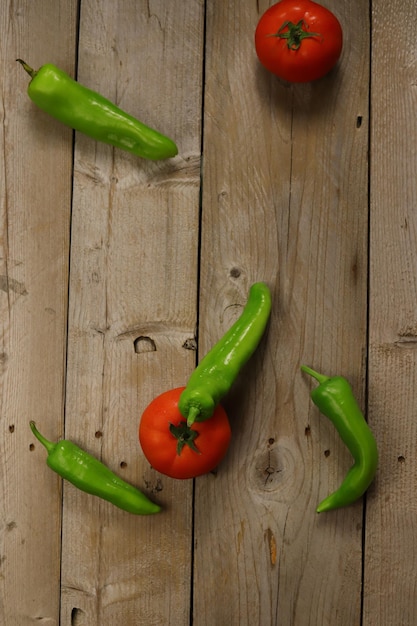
<point x="35" y="188"/>
<point x="111" y="264"/>
<point x="391" y="555"/>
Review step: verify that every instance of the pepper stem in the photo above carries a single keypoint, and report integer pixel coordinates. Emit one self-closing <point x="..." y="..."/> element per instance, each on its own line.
<point x="321" y="378"/>
<point x="32" y="73"/>
<point x="193" y="413"/>
<point x="49" y="445"/>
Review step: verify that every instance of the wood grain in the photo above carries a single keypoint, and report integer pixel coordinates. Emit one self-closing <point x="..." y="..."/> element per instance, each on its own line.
<point x="390" y="588"/>
<point x="284" y="200"/>
<point x="118" y="274"/>
<point x="35" y="192"/>
<point x="132" y="309"/>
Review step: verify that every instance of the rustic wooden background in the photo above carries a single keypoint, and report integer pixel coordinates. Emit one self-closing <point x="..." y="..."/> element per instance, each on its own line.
<point x="311" y="188"/>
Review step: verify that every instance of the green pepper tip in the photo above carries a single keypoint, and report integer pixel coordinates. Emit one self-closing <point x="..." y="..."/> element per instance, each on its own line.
<point x="192" y="415"/>
<point x="322" y="507"/>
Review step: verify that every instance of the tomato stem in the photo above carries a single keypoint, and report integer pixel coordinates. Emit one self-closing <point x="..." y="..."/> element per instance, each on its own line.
<point x="295" y="34"/>
<point x="185" y="436"/>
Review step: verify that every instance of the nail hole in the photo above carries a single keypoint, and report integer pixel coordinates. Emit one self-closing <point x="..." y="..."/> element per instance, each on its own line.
<point x="307" y="431"/>
<point x="123" y="464"/>
<point x="271" y="441"/>
<point x="401" y="459"/>
<point x="144" y="344"/>
<point x="11" y="428"/>
<point x="326" y="453"/>
<point x="31" y="447"/>
<point x="359" y="121"/>
<point x="235" y="272"/>
<point x="76" y="616"/>
<point x="98" y="434"/>
<point x="190" y="344"/>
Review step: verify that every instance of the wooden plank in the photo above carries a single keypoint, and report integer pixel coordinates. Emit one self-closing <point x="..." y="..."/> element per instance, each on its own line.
<point x="35" y="191"/>
<point x="284" y="200"/>
<point x="391" y="556"/>
<point x="133" y="275"/>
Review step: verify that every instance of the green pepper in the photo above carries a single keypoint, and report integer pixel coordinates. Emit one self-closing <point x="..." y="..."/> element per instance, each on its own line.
<point x="217" y="371"/>
<point x="56" y="93"/>
<point x="334" y="397"/>
<point x="91" y="475"/>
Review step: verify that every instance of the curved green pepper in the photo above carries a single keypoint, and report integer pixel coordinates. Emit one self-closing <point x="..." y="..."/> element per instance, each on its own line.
<point x="335" y="399"/>
<point x="217" y="371"/>
<point x="91" y="475"/>
<point x="56" y="93"/>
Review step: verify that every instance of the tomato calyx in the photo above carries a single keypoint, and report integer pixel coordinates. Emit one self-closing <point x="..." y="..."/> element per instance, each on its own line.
<point x="295" y="34"/>
<point x="184" y="435"/>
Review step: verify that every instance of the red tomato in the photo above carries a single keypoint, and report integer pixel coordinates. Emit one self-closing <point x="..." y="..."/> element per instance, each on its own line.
<point x="210" y="439"/>
<point x="298" y="40"/>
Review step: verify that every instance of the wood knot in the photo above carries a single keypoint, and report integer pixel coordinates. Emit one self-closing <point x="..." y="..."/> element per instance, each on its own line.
<point x="277" y="469"/>
<point x="268" y="468"/>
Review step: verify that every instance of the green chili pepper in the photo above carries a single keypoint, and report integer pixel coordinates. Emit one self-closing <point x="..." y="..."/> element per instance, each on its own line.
<point x="335" y="399"/>
<point x="217" y="371"/>
<point x="56" y="93"/>
<point x="90" y="475"/>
